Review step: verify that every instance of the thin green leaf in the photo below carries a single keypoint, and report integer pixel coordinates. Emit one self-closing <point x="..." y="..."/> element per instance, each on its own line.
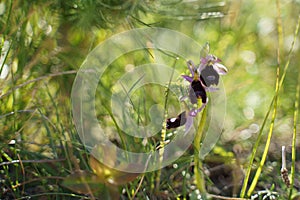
<point x="296" y="112"/>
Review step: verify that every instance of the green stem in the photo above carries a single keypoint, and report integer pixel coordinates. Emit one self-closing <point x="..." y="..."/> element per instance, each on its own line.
<point x="268" y="142"/>
<point x="293" y="169"/>
<point x="244" y="187"/>
<point x="198" y="168"/>
<point x="163" y="132"/>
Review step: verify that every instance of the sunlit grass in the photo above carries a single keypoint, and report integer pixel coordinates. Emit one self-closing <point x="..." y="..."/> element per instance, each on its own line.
<point x="48" y="41"/>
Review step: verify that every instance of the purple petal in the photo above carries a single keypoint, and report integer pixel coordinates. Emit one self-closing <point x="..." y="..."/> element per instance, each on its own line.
<point x="204" y="60"/>
<point x="220" y="69"/>
<point x="191" y="66"/>
<point x="215" y="59"/>
<point x="218" y="60"/>
<point x="194" y="112"/>
<point x="211" y="57"/>
<point x="188" y="78"/>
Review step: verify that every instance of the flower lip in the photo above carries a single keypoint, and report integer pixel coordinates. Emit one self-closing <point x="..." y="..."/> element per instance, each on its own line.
<point x="197" y="91"/>
<point x="209" y="76"/>
<point x="177" y="121"/>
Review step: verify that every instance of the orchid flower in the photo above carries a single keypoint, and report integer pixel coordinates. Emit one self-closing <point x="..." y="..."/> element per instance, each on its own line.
<point x="202" y="77"/>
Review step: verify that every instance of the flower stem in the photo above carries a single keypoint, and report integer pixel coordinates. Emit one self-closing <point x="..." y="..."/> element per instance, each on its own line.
<point x="198" y="168"/>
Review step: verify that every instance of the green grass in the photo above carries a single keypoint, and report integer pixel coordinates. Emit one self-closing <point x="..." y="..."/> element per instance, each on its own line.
<point x="42" y="156"/>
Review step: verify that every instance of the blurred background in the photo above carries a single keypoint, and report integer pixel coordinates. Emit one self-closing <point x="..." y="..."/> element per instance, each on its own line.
<point x="44" y="43"/>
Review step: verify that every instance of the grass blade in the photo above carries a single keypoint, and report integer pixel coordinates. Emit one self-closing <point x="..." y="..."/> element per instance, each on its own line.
<point x="268" y="142"/>
<point x="265" y="119"/>
<point x="296" y="112"/>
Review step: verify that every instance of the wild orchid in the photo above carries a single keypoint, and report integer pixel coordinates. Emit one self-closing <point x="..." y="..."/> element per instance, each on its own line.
<point x="202" y="78"/>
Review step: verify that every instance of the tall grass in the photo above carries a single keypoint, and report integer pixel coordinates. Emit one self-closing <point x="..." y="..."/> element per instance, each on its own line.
<point x="48" y="41"/>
